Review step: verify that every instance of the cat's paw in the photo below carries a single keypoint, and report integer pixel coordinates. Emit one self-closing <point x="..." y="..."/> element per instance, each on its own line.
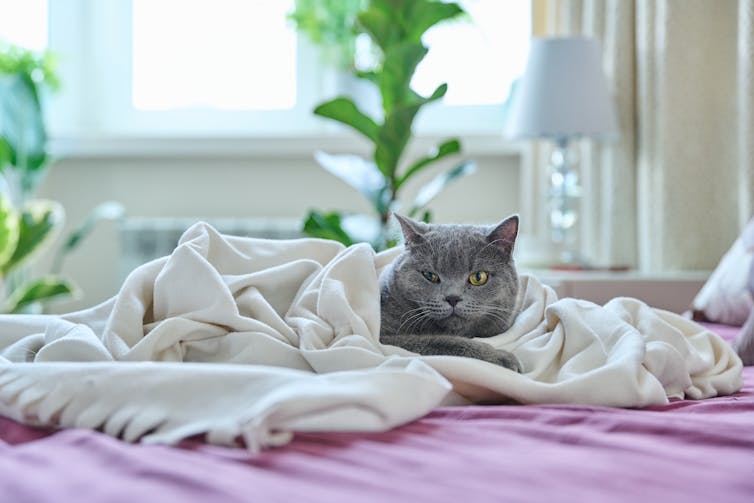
<point x="507" y="360"/>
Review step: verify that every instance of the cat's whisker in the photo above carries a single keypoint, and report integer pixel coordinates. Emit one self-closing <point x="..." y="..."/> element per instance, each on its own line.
<point x="411" y="311"/>
<point x="497" y="317"/>
<point x="422" y="322"/>
<point x="413" y="319"/>
<point x="415" y="325"/>
<point x="494" y="308"/>
<point x="496" y="312"/>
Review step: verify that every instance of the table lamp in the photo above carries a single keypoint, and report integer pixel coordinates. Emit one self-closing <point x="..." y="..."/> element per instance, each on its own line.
<point x="562" y="97"/>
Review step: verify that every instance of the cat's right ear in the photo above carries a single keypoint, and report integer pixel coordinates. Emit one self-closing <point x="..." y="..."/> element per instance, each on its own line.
<point x="413" y="231"/>
<point x="504" y="234"/>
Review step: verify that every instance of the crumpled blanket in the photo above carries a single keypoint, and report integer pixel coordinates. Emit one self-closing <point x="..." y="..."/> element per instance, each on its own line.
<point x="255" y="339"/>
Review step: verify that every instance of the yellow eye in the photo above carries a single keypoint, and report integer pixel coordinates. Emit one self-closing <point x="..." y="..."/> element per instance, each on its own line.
<point x="478" y="278"/>
<point x="434" y="278"/>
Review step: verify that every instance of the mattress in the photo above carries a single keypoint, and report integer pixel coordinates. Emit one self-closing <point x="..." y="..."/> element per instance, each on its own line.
<point x="683" y="451"/>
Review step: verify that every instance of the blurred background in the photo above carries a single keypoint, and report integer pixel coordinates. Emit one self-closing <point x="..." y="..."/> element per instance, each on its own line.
<point x="159" y="113"/>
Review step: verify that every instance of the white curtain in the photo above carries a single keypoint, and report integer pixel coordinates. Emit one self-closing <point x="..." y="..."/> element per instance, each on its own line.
<point x="745" y="93"/>
<point x="676" y="189"/>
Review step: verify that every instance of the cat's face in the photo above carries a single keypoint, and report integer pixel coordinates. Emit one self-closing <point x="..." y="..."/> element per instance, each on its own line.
<point x="457" y="279"/>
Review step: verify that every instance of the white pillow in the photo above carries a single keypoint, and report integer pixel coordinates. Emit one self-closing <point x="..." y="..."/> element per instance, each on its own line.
<point x="725" y="297"/>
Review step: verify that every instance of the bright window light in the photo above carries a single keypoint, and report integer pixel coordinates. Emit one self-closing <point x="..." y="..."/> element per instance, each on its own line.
<point x="223" y="54"/>
<point x="24" y="23"/>
<point x="480" y="59"/>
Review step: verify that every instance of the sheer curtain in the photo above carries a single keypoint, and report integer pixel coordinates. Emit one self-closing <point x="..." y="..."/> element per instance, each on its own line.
<point x="676" y="189"/>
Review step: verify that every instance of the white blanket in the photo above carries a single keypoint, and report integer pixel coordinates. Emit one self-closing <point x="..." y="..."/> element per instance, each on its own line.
<point x="234" y="337"/>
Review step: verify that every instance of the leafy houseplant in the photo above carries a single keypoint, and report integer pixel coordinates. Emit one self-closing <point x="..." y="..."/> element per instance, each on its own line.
<point x="396" y="28"/>
<point x="29" y="225"/>
<point x="24" y="77"/>
<point x="22" y="234"/>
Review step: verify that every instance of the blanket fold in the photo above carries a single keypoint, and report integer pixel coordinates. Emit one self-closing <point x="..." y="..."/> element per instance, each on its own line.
<point x="254" y="339"/>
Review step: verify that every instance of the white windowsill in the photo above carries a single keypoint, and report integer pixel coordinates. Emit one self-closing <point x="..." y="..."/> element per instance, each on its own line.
<point x="245" y="147"/>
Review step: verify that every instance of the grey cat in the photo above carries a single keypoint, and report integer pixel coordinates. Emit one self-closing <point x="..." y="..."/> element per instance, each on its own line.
<point x="451" y="283"/>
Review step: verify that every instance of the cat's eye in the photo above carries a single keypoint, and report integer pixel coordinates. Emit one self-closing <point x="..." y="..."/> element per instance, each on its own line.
<point x="478" y="278"/>
<point x="434" y="278"/>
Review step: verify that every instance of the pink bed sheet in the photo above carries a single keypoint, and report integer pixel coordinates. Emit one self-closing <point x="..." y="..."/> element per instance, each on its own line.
<point x="684" y="451"/>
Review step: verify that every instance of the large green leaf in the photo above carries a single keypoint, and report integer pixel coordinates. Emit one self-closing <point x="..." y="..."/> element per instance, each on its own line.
<point x="39" y="290"/>
<point x="346" y="112"/>
<point x="421" y="15"/>
<point x="326" y="226"/>
<point x="438" y="184"/>
<point x="9" y="229"/>
<point x="5" y="153"/>
<point x="37" y="223"/>
<point x="345" y="228"/>
<point x="22" y="122"/>
<point x="393" y="21"/>
<point x="447" y="148"/>
<point x="398" y="67"/>
<point x="394" y="136"/>
<point x="396" y="131"/>
<point x="360" y="174"/>
<point x="379" y="22"/>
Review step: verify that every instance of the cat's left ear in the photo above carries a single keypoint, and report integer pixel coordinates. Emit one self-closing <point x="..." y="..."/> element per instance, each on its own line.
<point x="504" y="234"/>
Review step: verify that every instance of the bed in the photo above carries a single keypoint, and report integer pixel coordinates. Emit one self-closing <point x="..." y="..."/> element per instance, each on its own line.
<point x="684" y="450"/>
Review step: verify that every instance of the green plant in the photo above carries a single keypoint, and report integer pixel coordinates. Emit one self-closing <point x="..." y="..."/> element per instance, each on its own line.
<point x="24" y="77"/>
<point x="27" y="226"/>
<point x="396" y="28"/>
<point x="22" y="235"/>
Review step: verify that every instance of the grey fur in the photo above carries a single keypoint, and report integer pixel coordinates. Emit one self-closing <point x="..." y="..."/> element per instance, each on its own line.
<point x="440" y="317"/>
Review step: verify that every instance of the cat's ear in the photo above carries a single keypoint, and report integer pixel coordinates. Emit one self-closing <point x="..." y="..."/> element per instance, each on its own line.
<point x="413" y="231"/>
<point x="504" y="234"/>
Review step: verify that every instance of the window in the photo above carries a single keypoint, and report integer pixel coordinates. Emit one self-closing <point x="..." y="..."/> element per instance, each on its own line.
<point x="479" y="59"/>
<point x="237" y="68"/>
<point x="24" y="23"/>
<point x="223" y="54"/>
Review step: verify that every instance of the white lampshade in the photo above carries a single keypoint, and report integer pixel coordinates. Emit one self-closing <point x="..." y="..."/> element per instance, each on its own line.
<point x="563" y="92"/>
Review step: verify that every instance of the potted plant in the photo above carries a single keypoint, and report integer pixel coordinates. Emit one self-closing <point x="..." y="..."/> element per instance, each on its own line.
<point x="396" y="28"/>
<point x="28" y="225"/>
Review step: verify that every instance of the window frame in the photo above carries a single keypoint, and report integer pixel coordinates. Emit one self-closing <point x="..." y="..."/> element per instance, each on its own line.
<point x="97" y="91"/>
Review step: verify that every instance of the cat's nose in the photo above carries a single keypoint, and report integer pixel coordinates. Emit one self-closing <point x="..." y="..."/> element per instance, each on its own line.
<point x="453" y="300"/>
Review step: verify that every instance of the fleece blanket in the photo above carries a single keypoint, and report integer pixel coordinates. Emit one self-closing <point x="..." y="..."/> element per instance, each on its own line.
<point x="255" y="339"/>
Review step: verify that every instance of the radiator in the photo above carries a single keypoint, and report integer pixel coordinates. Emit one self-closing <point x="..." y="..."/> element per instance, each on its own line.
<point x="145" y="239"/>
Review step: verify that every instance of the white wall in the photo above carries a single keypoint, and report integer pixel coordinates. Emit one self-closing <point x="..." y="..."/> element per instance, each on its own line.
<point x="210" y="179"/>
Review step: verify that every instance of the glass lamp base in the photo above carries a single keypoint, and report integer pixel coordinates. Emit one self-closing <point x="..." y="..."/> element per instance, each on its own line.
<point x="563" y="197"/>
